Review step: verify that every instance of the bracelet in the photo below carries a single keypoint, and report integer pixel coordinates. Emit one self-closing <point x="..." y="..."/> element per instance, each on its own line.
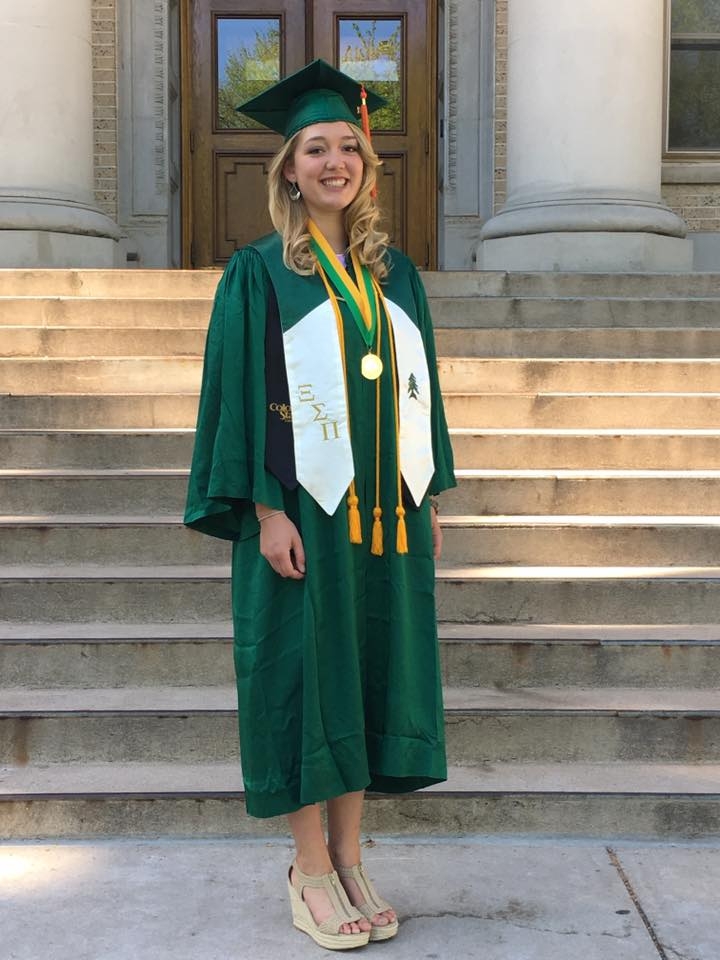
<point x="435" y="504"/>
<point x="266" y="516"/>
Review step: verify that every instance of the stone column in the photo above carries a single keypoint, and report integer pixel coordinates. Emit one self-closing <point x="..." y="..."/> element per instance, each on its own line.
<point x="47" y="215"/>
<point x="585" y="93"/>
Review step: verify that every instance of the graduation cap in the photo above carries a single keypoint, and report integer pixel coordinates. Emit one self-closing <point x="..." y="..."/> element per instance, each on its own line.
<point x="316" y="94"/>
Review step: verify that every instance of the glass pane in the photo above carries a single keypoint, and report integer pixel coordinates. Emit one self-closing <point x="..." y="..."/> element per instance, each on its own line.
<point x="694" y="102"/>
<point x="696" y="16"/>
<point x="248" y="59"/>
<point x="371" y="52"/>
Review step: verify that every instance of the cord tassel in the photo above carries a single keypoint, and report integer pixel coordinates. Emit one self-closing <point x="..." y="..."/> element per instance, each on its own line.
<point x="377" y="533"/>
<point x="365" y="123"/>
<point x="402" y="544"/>
<point x="354" y="519"/>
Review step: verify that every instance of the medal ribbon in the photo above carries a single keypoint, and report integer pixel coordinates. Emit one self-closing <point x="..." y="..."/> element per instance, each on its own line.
<point x="364" y="301"/>
<point x="360" y="297"/>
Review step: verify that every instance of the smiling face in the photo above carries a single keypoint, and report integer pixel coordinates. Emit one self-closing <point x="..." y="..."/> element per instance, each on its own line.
<point x="327" y="168"/>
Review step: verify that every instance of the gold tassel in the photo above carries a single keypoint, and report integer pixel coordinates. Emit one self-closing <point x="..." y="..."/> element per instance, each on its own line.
<point x="354" y="519"/>
<point x="402" y="544"/>
<point x="377" y="533"/>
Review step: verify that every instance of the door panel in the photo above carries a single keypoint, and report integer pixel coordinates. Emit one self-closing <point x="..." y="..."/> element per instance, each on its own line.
<point x="235" y="51"/>
<point x="392" y="196"/>
<point x="241" y="210"/>
<point x="390" y="46"/>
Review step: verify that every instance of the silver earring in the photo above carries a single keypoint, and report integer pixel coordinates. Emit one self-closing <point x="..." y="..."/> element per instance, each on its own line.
<point x="294" y="191"/>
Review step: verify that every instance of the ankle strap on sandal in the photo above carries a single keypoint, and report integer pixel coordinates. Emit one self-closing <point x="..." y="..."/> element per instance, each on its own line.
<point x="345" y="912"/>
<point x="373" y="902"/>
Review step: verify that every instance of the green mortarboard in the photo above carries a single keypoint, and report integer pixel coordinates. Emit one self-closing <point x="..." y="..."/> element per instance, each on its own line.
<point x="316" y="94"/>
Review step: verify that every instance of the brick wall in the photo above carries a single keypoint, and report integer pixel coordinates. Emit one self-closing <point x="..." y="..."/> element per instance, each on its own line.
<point x="697" y="203"/>
<point x="104" y="46"/>
<point x="501" y="48"/>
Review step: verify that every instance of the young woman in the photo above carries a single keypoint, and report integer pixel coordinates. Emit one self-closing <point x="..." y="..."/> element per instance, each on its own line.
<point x="321" y="436"/>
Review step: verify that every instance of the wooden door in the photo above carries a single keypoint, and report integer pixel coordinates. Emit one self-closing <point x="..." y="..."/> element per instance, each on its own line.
<point x="390" y="46"/>
<point x="236" y="48"/>
<point x="235" y="52"/>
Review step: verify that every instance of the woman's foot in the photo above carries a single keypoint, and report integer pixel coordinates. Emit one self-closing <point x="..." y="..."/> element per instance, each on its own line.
<point x="357" y="899"/>
<point x="319" y="904"/>
<point x="354" y="879"/>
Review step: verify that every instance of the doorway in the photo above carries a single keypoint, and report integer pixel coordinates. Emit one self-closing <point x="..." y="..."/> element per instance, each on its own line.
<point x="231" y="52"/>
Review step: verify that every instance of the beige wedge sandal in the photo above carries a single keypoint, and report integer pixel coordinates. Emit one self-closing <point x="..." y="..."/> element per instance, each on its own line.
<point x="373" y="903"/>
<point x="326" y="934"/>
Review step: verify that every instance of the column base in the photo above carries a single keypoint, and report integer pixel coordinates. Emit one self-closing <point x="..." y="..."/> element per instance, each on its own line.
<point x="587" y="253"/>
<point x="43" y="248"/>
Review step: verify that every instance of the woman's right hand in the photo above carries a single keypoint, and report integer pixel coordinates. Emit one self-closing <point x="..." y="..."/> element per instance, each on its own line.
<point x="282" y="547"/>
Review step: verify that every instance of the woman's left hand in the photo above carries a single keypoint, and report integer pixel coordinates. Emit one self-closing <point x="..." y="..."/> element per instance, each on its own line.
<point x="437" y="536"/>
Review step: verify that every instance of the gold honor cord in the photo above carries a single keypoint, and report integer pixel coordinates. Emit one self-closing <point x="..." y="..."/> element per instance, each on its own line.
<point x="354" y="526"/>
<point x="379" y="307"/>
<point x="401" y="544"/>
<point x="359" y="296"/>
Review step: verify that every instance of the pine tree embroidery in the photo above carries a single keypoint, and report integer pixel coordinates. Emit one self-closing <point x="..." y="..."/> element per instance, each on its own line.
<point x="413" y="388"/>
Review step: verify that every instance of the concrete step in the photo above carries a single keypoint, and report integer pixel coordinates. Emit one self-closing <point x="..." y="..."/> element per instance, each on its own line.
<point x="129" y="375"/>
<point x="198" y="724"/>
<point x="574" y="492"/>
<point x="57" y="655"/>
<point x="57" y="319"/>
<point x="586" y="540"/>
<point x="489" y="492"/>
<point x="472" y="594"/>
<point x="578" y="594"/>
<point x="147" y="541"/>
<point x="168" y="375"/>
<point x="533" y="410"/>
<point x="170" y="333"/>
<point x="573" y="449"/>
<point x="181" y="340"/>
<point x="566" y="341"/>
<point x="96" y="449"/>
<point x="471" y="374"/>
<point x="652" y="801"/>
<point x="561" y="411"/>
<point x="138" y="492"/>
<point x="595" y="318"/>
<point x="551" y="284"/>
<point x="96" y="411"/>
<point x="87" y="328"/>
<point x="577" y="449"/>
<point x="125" y="284"/>
<point x="490" y="283"/>
<point x="569" y="655"/>
<point x="594" y="541"/>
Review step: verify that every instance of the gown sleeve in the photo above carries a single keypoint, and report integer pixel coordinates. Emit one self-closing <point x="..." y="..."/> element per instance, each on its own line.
<point x="444" y="476"/>
<point x="228" y="473"/>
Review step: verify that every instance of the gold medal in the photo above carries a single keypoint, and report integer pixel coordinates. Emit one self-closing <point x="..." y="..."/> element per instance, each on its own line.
<point x="371" y="366"/>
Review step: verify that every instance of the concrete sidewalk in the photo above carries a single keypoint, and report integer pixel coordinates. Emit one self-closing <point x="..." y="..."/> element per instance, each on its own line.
<point x="494" y="899"/>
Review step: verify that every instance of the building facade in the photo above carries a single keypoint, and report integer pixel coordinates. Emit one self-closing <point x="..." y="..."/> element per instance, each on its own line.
<point x="520" y="134"/>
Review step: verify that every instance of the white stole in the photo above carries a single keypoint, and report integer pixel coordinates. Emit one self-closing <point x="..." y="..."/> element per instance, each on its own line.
<point x="321" y="435"/>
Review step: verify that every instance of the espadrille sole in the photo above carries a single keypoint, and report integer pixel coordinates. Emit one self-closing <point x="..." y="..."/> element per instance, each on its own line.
<point x="372" y="904"/>
<point x="384" y="933"/>
<point x="304" y="921"/>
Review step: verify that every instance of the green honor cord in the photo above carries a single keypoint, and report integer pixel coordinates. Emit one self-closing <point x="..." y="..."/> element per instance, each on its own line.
<point x="355" y="297"/>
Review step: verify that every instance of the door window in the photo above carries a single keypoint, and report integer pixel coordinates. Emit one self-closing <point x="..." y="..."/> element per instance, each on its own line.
<point x="371" y="53"/>
<point x="247" y="53"/>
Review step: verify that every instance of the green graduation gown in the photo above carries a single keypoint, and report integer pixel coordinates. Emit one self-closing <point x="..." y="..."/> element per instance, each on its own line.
<point x="338" y="674"/>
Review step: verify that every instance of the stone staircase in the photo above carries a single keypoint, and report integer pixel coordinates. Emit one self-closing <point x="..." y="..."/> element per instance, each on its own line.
<point x="579" y="595"/>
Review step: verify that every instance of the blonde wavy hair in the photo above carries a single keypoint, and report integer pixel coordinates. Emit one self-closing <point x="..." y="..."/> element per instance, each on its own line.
<point x="290" y="217"/>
